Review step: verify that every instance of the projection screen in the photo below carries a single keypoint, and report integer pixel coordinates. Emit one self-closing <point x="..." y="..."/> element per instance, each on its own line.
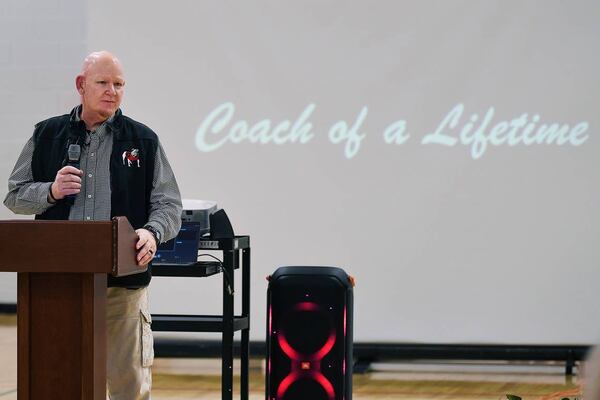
<point x="440" y="152"/>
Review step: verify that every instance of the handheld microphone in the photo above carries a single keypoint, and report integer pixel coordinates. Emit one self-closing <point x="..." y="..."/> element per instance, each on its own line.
<point x="73" y="157"/>
<point x="74" y="154"/>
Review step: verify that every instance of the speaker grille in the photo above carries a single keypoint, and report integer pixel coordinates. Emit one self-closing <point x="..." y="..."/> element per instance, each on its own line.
<point x="307" y="336"/>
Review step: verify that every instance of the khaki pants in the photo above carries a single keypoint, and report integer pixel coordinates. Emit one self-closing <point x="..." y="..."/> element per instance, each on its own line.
<point x="130" y="344"/>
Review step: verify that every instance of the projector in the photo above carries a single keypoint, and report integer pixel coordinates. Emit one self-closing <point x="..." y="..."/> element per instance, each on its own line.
<point x="198" y="211"/>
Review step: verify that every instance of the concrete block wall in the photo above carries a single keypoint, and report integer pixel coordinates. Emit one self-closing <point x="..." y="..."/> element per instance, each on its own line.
<point x="42" y="44"/>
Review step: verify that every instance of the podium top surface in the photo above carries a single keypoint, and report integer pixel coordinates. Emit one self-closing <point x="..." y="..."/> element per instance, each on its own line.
<point x="69" y="247"/>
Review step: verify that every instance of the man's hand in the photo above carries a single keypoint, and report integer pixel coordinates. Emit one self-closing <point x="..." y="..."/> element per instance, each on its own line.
<point x="67" y="181"/>
<point x="145" y="246"/>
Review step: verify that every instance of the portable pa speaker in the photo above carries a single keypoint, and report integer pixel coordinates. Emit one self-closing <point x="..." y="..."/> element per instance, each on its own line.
<point x="309" y="334"/>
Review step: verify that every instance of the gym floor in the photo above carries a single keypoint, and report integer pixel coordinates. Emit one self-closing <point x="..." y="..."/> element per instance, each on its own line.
<point x="199" y="378"/>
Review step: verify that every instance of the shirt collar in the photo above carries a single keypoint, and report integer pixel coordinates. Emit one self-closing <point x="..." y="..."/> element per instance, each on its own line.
<point x="76" y="116"/>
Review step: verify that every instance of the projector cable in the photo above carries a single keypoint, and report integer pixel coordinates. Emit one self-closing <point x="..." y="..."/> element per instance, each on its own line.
<point x="225" y="272"/>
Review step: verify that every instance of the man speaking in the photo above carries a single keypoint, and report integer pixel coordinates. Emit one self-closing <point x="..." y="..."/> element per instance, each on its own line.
<point x="91" y="165"/>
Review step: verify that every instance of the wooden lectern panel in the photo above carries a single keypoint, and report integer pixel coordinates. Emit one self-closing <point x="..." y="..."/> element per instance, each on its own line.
<point x="69" y="247"/>
<point x="62" y="336"/>
<point x="125" y="255"/>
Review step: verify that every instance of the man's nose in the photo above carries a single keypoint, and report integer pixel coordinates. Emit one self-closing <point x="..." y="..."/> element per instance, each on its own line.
<point x="111" y="89"/>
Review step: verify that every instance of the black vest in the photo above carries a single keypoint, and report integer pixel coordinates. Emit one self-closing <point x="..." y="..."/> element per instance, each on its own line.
<point x="130" y="186"/>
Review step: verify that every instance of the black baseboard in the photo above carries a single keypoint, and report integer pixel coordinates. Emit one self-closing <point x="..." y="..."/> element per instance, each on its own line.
<point x="8" y="308"/>
<point x="189" y="348"/>
<point x="366" y="353"/>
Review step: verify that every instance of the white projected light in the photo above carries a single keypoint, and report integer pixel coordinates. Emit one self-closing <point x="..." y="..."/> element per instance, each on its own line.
<point x="219" y="128"/>
<point x="443" y="153"/>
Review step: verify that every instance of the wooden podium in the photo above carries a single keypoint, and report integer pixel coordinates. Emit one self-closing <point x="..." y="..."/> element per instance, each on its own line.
<point x="61" y="322"/>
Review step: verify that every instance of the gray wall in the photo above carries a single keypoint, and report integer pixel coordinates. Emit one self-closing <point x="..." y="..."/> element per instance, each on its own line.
<point x="42" y="44"/>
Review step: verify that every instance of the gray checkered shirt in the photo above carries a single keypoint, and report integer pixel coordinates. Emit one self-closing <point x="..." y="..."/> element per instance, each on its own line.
<point x="93" y="202"/>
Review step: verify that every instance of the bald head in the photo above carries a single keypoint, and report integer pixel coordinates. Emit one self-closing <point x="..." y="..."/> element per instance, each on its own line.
<point x="100" y="85"/>
<point x="99" y="57"/>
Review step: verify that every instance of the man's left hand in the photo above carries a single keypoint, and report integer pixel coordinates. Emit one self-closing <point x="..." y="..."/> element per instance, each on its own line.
<point x="145" y="246"/>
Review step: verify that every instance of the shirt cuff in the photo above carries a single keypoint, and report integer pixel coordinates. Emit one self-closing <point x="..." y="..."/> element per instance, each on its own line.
<point x="43" y="199"/>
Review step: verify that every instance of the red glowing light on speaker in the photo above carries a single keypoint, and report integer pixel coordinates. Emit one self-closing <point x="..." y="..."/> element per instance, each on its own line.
<point x="300" y="368"/>
<point x="325" y="384"/>
<point x="270" y="319"/>
<point x="344" y="322"/>
<point x="270" y="334"/>
<point x="326" y="347"/>
<point x="307" y="306"/>
<point x="285" y="384"/>
<point x="287" y="349"/>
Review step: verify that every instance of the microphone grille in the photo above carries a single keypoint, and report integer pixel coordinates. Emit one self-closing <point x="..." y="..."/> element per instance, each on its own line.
<point x="74" y="152"/>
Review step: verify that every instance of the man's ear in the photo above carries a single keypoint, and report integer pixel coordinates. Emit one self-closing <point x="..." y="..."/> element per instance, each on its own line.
<point x="79" y="83"/>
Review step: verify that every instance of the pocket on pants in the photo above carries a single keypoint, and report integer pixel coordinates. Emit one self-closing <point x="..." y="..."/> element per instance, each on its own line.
<point x="147" y="339"/>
